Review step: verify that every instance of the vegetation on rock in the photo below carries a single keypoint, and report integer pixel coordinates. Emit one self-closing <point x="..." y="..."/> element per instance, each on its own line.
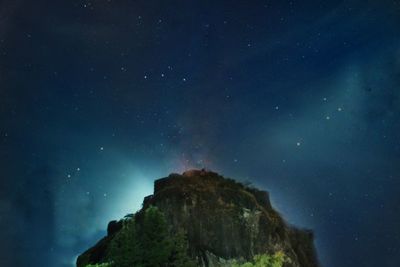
<point x="149" y="244"/>
<point x="202" y="219"/>
<point x="265" y="260"/>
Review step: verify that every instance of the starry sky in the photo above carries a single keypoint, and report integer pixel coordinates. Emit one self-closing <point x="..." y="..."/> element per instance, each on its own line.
<point x="99" y="98"/>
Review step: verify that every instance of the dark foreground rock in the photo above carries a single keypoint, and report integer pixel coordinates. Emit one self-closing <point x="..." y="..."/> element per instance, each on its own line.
<point x="223" y="219"/>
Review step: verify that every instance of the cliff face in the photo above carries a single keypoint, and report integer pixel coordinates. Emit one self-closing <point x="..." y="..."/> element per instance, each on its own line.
<point x="223" y="219"/>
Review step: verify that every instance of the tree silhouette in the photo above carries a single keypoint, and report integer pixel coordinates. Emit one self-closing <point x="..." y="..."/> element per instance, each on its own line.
<point x="149" y="244"/>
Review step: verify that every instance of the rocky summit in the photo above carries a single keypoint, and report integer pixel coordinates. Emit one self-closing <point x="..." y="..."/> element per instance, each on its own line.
<point x="226" y="222"/>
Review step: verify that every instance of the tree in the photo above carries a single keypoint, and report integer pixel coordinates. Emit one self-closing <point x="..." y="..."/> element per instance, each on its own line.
<point x="149" y="244"/>
<point x="179" y="256"/>
<point x="125" y="249"/>
<point x="156" y="244"/>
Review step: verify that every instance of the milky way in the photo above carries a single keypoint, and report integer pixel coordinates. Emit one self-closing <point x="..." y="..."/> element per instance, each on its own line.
<point x="99" y="98"/>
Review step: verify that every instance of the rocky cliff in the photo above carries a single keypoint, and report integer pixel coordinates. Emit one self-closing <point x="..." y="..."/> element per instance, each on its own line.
<point x="223" y="219"/>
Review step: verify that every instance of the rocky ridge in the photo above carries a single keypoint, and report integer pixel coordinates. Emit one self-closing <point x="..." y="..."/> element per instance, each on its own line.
<point x="224" y="221"/>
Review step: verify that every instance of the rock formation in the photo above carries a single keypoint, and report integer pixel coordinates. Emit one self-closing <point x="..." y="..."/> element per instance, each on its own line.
<point x="223" y="219"/>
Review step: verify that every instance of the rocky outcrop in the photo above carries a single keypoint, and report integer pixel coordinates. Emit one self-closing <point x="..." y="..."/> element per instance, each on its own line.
<point x="224" y="220"/>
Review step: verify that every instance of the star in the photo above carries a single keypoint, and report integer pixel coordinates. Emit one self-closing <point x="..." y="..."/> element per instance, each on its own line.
<point x="339" y="109"/>
<point x="298" y="143"/>
<point x="328" y="117"/>
<point x="101" y="148"/>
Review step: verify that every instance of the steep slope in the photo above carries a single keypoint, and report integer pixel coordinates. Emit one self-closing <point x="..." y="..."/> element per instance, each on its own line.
<point x="223" y="219"/>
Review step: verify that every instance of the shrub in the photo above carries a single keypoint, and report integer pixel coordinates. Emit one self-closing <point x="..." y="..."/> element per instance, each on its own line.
<point x="265" y="260"/>
<point x="99" y="265"/>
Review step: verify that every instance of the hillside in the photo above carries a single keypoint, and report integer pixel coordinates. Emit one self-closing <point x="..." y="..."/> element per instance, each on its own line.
<point x="225" y="224"/>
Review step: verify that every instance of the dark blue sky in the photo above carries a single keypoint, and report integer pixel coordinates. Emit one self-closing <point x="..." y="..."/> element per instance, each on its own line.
<point x="99" y="98"/>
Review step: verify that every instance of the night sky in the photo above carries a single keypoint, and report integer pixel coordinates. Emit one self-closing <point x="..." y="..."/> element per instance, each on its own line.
<point x="100" y="98"/>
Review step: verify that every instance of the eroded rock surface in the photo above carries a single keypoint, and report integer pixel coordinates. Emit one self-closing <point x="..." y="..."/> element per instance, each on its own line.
<point x="224" y="220"/>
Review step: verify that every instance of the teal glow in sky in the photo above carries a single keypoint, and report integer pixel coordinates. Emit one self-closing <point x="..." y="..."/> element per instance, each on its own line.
<point x="100" y="98"/>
